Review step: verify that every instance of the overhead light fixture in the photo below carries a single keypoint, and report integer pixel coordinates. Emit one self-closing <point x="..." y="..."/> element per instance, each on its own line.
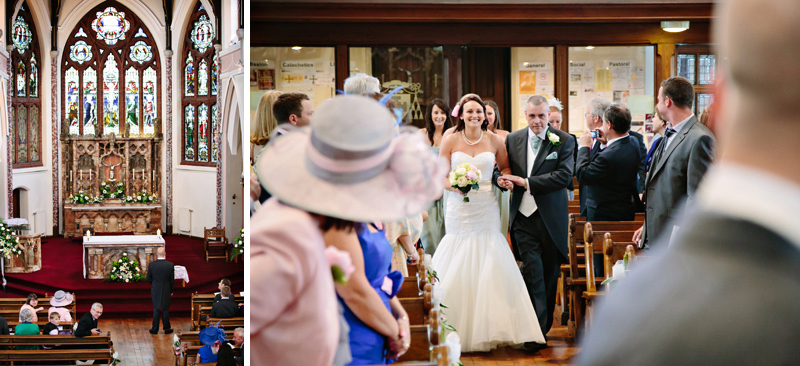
<point x="297" y="48"/>
<point x="675" y="26"/>
<point x="589" y="47"/>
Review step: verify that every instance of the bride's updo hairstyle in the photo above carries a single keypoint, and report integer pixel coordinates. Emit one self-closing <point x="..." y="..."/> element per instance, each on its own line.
<point x="459" y="110"/>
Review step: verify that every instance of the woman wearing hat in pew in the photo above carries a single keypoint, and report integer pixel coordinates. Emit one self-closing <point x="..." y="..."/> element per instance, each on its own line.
<point x="349" y="166"/>
<point x="211" y="337"/>
<point x="57" y="305"/>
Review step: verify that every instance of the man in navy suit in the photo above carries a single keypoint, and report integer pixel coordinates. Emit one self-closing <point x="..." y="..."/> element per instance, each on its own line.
<point x="541" y="162"/>
<point x="610" y="178"/>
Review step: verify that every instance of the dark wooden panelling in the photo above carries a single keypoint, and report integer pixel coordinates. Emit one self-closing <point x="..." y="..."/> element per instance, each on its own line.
<point x="342" y="55"/>
<point x="455" y="13"/>
<point x="487" y="75"/>
<point x="562" y="83"/>
<point x="471" y="34"/>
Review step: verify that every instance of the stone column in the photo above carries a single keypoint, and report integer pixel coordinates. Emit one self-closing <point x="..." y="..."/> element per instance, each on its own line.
<point x="168" y="142"/>
<point x="9" y="149"/>
<point x="55" y="137"/>
<point x="218" y="135"/>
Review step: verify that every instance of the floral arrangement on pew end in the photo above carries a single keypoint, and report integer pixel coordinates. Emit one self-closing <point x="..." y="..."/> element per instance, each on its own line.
<point x="238" y="245"/>
<point x="125" y="269"/>
<point x="83" y="198"/>
<point x="110" y="189"/>
<point x="177" y="345"/>
<point x="115" y="357"/>
<point x="142" y="197"/>
<point x="9" y="244"/>
<point x="464" y="178"/>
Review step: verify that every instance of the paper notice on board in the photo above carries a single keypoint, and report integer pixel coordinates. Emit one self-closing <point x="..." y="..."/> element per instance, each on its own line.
<point x="637" y="77"/>
<point x="602" y="82"/>
<point x="527" y="82"/>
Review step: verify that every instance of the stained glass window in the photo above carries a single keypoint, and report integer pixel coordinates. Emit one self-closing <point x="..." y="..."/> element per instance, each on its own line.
<point x="202" y="78"/>
<point x="149" y="92"/>
<point x="25" y="118"/>
<point x="111" y="26"/>
<point x="112" y="75"/>
<point x="200" y="88"/>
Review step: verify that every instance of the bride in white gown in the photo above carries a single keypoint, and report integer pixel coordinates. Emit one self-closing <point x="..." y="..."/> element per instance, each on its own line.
<point x="486" y="298"/>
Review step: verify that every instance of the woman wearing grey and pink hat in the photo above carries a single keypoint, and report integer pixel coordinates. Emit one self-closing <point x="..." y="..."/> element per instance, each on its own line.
<point x="349" y="166"/>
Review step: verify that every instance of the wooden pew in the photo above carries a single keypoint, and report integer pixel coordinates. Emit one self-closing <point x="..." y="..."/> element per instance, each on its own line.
<point x="227" y="323"/>
<point x="190" y="342"/>
<point x="612" y="252"/>
<point x="199" y="300"/>
<point x="15" y="303"/>
<point x="190" y="355"/>
<point x="12" y="323"/>
<point x="102" y="354"/>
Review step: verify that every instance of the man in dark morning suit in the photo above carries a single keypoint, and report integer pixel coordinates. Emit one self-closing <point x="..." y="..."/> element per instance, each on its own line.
<point x="725" y="290"/>
<point x="225" y="307"/>
<point x="594" y="121"/>
<point x="87" y="325"/>
<point x="161" y="275"/>
<point x="610" y="178"/>
<point x="541" y="164"/>
<point x="684" y="155"/>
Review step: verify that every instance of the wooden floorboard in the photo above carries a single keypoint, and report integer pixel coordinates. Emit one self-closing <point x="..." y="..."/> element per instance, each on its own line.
<point x="137" y="347"/>
<point x="562" y="351"/>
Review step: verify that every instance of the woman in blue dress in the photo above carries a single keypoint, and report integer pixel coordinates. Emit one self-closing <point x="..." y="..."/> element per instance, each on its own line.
<point x="379" y="327"/>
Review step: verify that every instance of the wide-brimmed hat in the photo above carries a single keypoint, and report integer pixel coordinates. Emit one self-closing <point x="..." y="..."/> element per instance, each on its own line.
<point x="211" y="334"/>
<point x="61" y="298"/>
<point x="352" y="163"/>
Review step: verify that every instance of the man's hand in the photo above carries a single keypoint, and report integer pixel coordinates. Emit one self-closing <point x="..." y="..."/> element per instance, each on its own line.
<point x="95" y="331"/>
<point x="506" y="181"/>
<point x="522" y="182"/>
<point x="601" y="137"/>
<point x="637" y="236"/>
<point x="586" y="139"/>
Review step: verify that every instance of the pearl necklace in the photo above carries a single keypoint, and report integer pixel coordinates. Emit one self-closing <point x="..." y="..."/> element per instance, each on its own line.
<point x="464" y="135"/>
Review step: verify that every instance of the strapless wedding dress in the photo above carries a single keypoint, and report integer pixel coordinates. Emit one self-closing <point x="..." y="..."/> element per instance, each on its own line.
<point x="486" y="298"/>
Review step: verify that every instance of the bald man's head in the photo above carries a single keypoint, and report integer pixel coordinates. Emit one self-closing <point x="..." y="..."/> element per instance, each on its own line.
<point x="759" y="49"/>
<point x="161" y="252"/>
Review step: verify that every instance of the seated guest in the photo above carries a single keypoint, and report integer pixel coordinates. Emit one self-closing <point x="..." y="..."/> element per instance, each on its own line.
<point x="30" y="304"/>
<point x="26" y="328"/>
<point x="211" y="337"/>
<point x="222" y="283"/>
<point x="88" y="324"/>
<point x="238" y="339"/>
<point x="51" y="328"/>
<point x="225" y="307"/>
<point x="610" y="177"/>
<point x="58" y="301"/>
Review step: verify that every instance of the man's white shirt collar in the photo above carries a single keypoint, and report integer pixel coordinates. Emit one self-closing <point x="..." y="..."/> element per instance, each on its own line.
<point x="753" y="195"/>
<point x="608" y="144"/>
<point x="542" y="135"/>
<point x="678" y="127"/>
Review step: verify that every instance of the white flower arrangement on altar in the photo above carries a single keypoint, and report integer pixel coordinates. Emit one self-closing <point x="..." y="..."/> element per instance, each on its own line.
<point x="9" y="244"/>
<point x="238" y="245"/>
<point x="84" y="198"/>
<point x="125" y="270"/>
<point x="112" y="189"/>
<point x="142" y="197"/>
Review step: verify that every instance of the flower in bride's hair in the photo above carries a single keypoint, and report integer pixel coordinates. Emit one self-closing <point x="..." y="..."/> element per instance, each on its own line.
<point x="455" y="110"/>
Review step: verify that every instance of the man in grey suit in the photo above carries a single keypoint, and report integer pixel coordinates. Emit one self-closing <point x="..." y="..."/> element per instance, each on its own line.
<point x="541" y="161"/>
<point x="680" y="163"/>
<point x="726" y="291"/>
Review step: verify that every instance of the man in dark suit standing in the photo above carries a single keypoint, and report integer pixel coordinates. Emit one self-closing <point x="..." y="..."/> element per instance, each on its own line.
<point x="88" y="324"/>
<point x="161" y="275"/>
<point x="725" y="291"/>
<point x="541" y="164"/>
<point x="594" y="122"/>
<point x="680" y="163"/>
<point x="609" y="179"/>
<point x="642" y="172"/>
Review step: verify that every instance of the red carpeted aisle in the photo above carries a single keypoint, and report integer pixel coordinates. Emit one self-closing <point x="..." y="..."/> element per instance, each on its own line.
<point x="62" y="270"/>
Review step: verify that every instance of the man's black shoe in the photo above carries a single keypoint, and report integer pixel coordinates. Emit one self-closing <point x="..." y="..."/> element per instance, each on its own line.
<point x="153" y="331"/>
<point x="534" y="347"/>
<point x="167" y="331"/>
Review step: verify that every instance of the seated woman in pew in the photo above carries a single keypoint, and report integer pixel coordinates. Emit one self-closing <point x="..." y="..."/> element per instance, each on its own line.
<point x="211" y="337"/>
<point x="57" y="305"/>
<point x="32" y="301"/>
<point x="26" y="328"/>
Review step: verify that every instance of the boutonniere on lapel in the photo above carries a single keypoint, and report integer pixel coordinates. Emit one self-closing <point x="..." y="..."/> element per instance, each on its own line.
<point x="554" y="139"/>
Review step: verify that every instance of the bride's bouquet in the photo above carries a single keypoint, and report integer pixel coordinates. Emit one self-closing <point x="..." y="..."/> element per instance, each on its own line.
<point x="465" y="177"/>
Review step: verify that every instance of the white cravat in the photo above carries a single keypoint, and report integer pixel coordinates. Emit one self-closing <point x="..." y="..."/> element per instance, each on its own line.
<point x="528" y="205"/>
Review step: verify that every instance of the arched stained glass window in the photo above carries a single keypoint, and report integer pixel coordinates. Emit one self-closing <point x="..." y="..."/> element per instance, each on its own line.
<point x="199" y="79"/>
<point x="111" y="74"/>
<point x="25" y="94"/>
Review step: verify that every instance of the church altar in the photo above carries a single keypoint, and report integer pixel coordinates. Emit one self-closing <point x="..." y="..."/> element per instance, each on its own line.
<point x="100" y="252"/>
<point x="112" y="171"/>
